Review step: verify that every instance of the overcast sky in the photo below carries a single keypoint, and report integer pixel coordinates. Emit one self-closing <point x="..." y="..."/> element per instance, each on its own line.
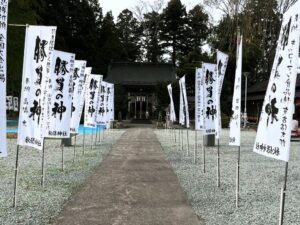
<point x="116" y="6"/>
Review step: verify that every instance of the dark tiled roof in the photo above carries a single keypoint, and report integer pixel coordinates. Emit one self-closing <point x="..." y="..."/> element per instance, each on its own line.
<point x="140" y="73"/>
<point x="257" y="91"/>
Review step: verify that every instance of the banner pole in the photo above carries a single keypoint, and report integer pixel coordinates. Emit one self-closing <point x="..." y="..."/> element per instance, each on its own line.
<point x="195" y="147"/>
<point x="282" y="196"/>
<point x="92" y="139"/>
<point x="181" y="139"/>
<point x="175" y="134"/>
<point x="238" y="177"/>
<point x="99" y="137"/>
<point x="62" y="157"/>
<point x="43" y="166"/>
<point x="203" y="152"/>
<point x="188" y="142"/>
<point x="218" y="164"/>
<point x="83" y="146"/>
<point x="96" y="134"/>
<point x="75" y="147"/>
<point x="16" y="178"/>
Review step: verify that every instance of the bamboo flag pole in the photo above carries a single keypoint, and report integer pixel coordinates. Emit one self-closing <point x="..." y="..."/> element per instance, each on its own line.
<point x="75" y="148"/>
<point x="43" y="166"/>
<point x="83" y="146"/>
<point x="203" y="152"/>
<point x="188" y="142"/>
<point x="62" y="157"/>
<point x="16" y="177"/>
<point x="283" y="194"/>
<point x="218" y="164"/>
<point x="195" y="147"/>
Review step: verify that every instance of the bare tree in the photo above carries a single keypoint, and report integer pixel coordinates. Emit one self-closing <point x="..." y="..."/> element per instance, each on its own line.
<point x="143" y="7"/>
<point x="227" y="7"/>
<point x="284" y="5"/>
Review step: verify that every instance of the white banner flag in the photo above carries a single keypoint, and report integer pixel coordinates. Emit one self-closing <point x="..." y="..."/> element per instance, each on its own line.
<point x="91" y="100"/>
<point x="111" y="96"/>
<point x="39" y="46"/>
<point x="199" y="99"/>
<point x="16" y="104"/>
<point x="184" y="103"/>
<point x="3" y="47"/>
<point x="87" y="73"/>
<point x="102" y="114"/>
<point x="172" y="107"/>
<point x="9" y="103"/>
<point x="222" y="61"/>
<point x="181" y="105"/>
<point x="235" y="121"/>
<point x="59" y="95"/>
<point x="211" y="94"/>
<point x="274" y="129"/>
<point x="78" y="89"/>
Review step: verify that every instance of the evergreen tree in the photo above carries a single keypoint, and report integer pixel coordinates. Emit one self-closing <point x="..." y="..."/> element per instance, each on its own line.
<point x="110" y="45"/>
<point x="15" y="43"/>
<point x="151" y="29"/>
<point x="129" y="31"/>
<point x="173" y="28"/>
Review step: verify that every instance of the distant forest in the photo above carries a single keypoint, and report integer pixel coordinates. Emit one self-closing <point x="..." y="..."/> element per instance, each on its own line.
<point x="152" y="33"/>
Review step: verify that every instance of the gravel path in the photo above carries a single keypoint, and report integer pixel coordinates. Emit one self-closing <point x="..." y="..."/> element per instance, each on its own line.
<point x="135" y="185"/>
<point x="35" y="205"/>
<point x="261" y="181"/>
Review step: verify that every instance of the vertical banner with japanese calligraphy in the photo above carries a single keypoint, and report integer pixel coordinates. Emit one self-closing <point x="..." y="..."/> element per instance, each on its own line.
<point x="181" y="105"/>
<point x="39" y="46"/>
<point x="199" y="99"/>
<point x="274" y="129"/>
<point x="91" y="100"/>
<point x="235" y="121"/>
<point x="16" y="104"/>
<point x="110" y="101"/>
<point x="222" y="61"/>
<point x="172" y="107"/>
<point x="184" y="103"/>
<point x="101" y="112"/>
<point x="59" y="95"/>
<point x="87" y="73"/>
<point x="3" y="47"/>
<point x="211" y="94"/>
<point x="78" y="89"/>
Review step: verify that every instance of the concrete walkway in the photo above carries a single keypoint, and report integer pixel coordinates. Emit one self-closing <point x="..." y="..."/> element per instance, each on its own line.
<point x="134" y="185"/>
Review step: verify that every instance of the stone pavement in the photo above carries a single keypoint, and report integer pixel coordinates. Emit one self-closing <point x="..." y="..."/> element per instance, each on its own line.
<point x="134" y="185"/>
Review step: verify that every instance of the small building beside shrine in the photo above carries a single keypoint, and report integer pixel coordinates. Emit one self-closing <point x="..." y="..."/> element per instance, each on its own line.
<point x="255" y="98"/>
<point x="139" y="81"/>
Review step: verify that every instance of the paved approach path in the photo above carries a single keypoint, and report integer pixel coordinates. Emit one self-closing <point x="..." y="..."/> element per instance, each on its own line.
<point x="134" y="185"/>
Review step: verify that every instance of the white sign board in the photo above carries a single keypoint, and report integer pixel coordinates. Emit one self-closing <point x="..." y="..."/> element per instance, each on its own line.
<point x="91" y="100"/>
<point x="235" y="121"/>
<point x="59" y="95"/>
<point x="3" y="47"/>
<point x="211" y="94"/>
<point x="274" y="129"/>
<point x="78" y="89"/>
<point x="16" y="104"/>
<point x="39" y="46"/>
<point x="9" y="103"/>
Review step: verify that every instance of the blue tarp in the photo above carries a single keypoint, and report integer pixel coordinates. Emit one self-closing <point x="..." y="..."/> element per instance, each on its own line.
<point x="81" y="129"/>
